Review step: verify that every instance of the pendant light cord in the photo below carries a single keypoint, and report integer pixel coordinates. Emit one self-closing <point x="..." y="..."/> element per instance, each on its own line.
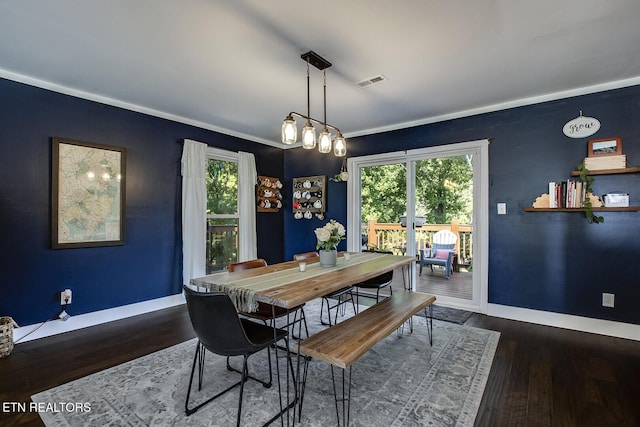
<point x="308" y="93"/>
<point x="324" y="73"/>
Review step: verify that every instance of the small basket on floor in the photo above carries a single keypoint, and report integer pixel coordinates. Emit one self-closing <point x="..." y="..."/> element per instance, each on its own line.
<point x="6" y="335"/>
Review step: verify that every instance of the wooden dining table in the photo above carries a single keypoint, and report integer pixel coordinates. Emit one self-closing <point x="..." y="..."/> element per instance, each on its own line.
<point x="285" y="285"/>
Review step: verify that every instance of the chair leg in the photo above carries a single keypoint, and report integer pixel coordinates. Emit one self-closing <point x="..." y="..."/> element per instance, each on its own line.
<point x="342" y="299"/>
<point x="338" y="305"/>
<point x="199" y="357"/>
<point x="323" y="300"/>
<point x="265" y="384"/>
<point x="303" y="318"/>
<point x="201" y="366"/>
<point x="342" y="305"/>
<point x="193" y="370"/>
<point x="270" y="369"/>
<point x="353" y="303"/>
<point x="245" y="375"/>
<point x="301" y="321"/>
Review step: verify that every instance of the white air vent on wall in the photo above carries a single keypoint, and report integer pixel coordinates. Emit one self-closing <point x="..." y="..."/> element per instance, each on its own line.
<point x="372" y="80"/>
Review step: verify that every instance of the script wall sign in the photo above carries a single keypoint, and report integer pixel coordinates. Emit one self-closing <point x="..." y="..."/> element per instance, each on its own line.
<point x="581" y="127"/>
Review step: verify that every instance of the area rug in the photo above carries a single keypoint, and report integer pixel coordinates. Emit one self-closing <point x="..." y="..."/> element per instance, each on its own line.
<point x="449" y="314"/>
<point x="400" y="382"/>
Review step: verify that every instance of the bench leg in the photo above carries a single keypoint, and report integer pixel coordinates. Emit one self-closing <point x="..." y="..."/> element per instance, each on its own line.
<point x="428" y="314"/>
<point x="400" y="330"/>
<point x="345" y="398"/>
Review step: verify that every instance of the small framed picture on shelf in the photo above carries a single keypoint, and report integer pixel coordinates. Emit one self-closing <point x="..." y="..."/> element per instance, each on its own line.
<point x="605" y="147"/>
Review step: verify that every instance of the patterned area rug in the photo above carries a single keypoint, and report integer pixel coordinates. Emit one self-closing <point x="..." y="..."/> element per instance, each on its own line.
<point x="400" y="382"/>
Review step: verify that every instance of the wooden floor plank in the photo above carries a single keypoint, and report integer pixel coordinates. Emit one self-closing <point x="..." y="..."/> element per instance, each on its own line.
<point x="610" y="365"/>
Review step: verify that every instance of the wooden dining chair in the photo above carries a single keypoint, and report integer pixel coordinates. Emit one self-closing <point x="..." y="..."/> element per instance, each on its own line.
<point x="341" y="295"/>
<point x="305" y="255"/>
<point x="268" y="313"/>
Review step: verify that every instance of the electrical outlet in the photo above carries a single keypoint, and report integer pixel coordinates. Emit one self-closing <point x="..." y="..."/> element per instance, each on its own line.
<point x="65" y="297"/>
<point x="608" y="300"/>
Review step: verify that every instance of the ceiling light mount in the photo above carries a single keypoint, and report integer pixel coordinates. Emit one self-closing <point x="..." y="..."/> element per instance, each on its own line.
<point x="290" y="129"/>
<point x="316" y="60"/>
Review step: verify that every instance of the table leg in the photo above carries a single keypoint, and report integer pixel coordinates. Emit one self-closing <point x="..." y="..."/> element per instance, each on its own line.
<point x="345" y="399"/>
<point x="289" y="366"/>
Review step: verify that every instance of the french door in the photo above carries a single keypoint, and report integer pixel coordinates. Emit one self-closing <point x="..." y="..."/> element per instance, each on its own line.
<point x="419" y="189"/>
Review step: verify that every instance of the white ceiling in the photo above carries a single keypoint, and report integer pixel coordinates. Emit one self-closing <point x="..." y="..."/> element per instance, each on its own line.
<point x="234" y="65"/>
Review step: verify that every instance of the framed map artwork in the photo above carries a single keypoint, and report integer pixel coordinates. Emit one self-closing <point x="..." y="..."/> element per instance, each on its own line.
<point x="88" y="194"/>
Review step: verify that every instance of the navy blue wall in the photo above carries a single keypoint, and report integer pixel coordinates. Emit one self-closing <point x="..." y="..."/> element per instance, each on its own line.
<point x="149" y="264"/>
<point x="546" y="261"/>
<point x="299" y="232"/>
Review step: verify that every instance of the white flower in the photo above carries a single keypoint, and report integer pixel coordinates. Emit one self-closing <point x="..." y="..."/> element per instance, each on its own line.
<point x="323" y="234"/>
<point x="330" y="235"/>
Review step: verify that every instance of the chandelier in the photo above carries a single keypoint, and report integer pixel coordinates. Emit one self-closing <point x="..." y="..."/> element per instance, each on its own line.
<point x="290" y="128"/>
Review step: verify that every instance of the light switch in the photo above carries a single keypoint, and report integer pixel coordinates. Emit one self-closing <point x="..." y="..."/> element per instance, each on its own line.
<point x="502" y="208"/>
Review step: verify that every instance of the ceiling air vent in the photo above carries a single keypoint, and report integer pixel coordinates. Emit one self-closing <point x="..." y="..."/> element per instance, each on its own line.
<point x="371" y="80"/>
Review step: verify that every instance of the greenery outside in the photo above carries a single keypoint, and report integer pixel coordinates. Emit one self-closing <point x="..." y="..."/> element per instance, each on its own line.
<point x="444" y="194"/>
<point x="443" y="191"/>
<point x="222" y="214"/>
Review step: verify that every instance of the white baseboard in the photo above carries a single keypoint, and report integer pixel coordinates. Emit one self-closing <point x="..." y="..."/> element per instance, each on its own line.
<point x="566" y="321"/>
<point x="54" y="327"/>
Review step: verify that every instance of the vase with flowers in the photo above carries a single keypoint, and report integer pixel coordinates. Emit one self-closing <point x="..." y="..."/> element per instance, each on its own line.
<point x="328" y="237"/>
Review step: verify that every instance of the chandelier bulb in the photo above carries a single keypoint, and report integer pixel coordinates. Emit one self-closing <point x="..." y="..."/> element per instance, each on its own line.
<point x="324" y="141"/>
<point x="308" y="136"/>
<point x="339" y="146"/>
<point x="289" y="130"/>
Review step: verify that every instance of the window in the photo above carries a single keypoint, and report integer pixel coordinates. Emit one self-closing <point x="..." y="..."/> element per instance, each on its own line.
<point x="222" y="211"/>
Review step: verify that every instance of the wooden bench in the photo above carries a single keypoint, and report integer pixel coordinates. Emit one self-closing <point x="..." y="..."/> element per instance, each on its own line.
<point x="343" y="344"/>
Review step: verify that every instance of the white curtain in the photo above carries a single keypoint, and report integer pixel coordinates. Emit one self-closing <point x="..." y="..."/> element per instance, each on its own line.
<point x="194" y="200"/>
<point x="247" y="179"/>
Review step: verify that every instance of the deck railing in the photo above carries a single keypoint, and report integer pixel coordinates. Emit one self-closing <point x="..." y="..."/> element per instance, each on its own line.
<point x="393" y="237"/>
<point x="221" y="246"/>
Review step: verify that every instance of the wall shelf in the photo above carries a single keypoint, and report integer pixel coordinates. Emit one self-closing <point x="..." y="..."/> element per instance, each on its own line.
<point x="635" y="169"/>
<point x="602" y="209"/>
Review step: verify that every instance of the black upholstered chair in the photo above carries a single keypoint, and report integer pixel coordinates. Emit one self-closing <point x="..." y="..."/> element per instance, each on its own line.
<point x="220" y="330"/>
<point x="267" y="313"/>
<point x="376" y="283"/>
<point x="341" y="295"/>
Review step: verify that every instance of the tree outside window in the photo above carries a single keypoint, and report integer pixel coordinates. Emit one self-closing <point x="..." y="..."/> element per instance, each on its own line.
<point x="222" y="214"/>
<point x="443" y="191"/>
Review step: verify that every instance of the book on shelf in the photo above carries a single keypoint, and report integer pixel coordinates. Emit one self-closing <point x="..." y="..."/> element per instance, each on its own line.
<point x="567" y="194"/>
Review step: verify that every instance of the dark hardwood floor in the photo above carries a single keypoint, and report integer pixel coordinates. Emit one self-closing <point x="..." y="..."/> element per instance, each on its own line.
<point x="541" y="376"/>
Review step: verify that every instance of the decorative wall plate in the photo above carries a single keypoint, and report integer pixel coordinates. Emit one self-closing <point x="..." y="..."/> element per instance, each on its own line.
<point x="581" y="127"/>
